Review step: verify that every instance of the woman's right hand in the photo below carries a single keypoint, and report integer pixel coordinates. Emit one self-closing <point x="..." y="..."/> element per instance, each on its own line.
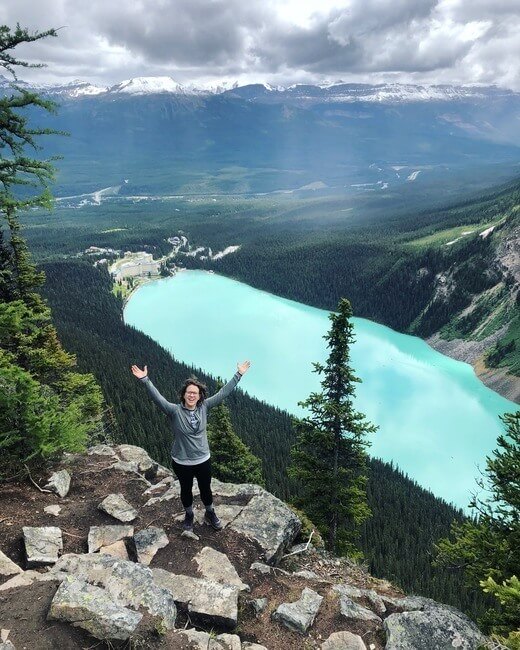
<point x="140" y="374"/>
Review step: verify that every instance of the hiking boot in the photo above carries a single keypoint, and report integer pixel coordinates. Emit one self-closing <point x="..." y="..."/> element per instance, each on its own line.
<point x="187" y="524"/>
<point x="210" y="517"/>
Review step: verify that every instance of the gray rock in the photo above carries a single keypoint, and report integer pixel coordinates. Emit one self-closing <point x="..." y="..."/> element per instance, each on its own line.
<point x="148" y="542"/>
<point x="129" y="584"/>
<point x="437" y="628"/>
<point x="190" y="534"/>
<point x="42" y="545"/>
<point x="198" y="640"/>
<point x="130" y="468"/>
<point x="228" y="512"/>
<point x="350" y="609"/>
<point x="216" y="566"/>
<point x="101" y="450"/>
<point x="52" y="510"/>
<point x="229" y="641"/>
<point x="159" y="487"/>
<point x="252" y="646"/>
<point x="92" y="609"/>
<point x="409" y="603"/>
<point x="99" y="536"/>
<point x="261" y="568"/>
<point x="270" y="522"/>
<point x="259" y="605"/>
<point x="203" y="641"/>
<point x="59" y="482"/>
<point x="205" y="600"/>
<point x="132" y="454"/>
<point x="372" y="596"/>
<point x="118" y="507"/>
<point x="235" y="489"/>
<point x="7" y="566"/>
<point x="376" y="601"/>
<point x="171" y="493"/>
<point x="300" y="615"/>
<point x="343" y="641"/>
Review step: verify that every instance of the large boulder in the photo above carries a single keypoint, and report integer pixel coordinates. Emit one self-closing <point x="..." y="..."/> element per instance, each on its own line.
<point x="205" y="600"/>
<point x="129" y="584"/>
<point x="270" y="522"/>
<point x="437" y="627"/>
<point x="92" y="609"/>
<point x="138" y="459"/>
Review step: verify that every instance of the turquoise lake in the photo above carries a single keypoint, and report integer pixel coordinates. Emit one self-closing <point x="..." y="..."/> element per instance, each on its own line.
<point x="436" y="420"/>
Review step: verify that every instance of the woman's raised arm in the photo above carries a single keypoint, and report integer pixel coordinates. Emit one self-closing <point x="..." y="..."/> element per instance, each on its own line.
<point x="166" y="406"/>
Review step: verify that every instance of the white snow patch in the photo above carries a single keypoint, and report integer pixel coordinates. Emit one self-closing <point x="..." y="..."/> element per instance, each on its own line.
<point x="413" y="175"/>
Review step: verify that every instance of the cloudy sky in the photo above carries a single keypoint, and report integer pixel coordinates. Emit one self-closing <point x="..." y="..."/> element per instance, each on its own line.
<point x="275" y="41"/>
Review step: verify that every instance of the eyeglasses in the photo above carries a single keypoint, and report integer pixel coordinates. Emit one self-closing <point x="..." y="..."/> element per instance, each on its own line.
<point x="190" y="392"/>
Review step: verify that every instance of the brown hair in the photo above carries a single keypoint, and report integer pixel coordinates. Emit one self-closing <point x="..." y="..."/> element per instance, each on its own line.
<point x="193" y="381"/>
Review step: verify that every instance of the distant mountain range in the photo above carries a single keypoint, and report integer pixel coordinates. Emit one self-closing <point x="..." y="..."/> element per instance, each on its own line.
<point x="332" y="92"/>
<point x="336" y="138"/>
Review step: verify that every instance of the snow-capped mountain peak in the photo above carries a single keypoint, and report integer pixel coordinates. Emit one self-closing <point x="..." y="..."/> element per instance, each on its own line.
<point x="147" y="86"/>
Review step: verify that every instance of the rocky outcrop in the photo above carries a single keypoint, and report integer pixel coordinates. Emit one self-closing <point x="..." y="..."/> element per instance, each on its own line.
<point x="434" y="628"/>
<point x="270" y="522"/>
<point x="205" y="600"/>
<point x="154" y="582"/>
<point x="128" y="584"/>
<point x="93" y="609"/>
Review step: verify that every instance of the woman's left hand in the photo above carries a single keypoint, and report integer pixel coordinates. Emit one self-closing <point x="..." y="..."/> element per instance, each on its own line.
<point x="243" y="367"/>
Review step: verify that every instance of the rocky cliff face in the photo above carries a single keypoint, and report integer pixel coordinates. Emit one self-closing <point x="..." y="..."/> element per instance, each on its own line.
<point x="98" y="558"/>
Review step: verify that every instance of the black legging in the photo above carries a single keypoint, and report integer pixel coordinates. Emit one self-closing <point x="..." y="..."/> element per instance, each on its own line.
<point x="202" y="473"/>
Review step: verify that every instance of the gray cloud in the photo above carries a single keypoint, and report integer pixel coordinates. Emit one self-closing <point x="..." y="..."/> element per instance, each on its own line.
<point x="458" y="41"/>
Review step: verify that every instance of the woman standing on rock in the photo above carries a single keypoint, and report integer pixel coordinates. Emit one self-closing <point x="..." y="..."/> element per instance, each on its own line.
<point x="190" y="449"/>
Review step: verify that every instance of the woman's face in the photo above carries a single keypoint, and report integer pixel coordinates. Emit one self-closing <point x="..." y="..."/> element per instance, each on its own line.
<point x="191" y="396"/>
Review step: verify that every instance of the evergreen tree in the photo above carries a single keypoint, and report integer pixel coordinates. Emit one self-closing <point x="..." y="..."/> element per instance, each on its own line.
<point x="329" y="458"/>
<point x="46" y="407"/>
<point x="232" y="461"/>
<point x="488" y="549"/>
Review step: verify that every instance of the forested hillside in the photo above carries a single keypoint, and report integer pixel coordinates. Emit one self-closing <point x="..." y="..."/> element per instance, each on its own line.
<point x="452" y="271"/>
<point x="406" y="519"/>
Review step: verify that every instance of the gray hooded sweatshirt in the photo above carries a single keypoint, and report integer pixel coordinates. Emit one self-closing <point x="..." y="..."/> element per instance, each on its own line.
<point x="190" y="444"/>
